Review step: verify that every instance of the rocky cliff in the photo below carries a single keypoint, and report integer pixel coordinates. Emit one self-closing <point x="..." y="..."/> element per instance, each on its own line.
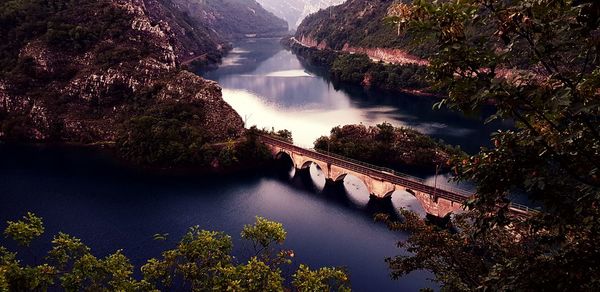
<point x="234" y="19"/>
<point x="355" y="23"/>
<point x="76" y="72"/>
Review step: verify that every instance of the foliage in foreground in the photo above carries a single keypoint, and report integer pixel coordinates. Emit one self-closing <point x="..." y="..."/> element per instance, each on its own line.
<point x="201" y="261"/>
<point x="538" y="63"/>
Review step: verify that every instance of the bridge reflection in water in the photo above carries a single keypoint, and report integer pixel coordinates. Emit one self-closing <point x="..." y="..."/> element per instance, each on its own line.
<point x="381" y="182"/>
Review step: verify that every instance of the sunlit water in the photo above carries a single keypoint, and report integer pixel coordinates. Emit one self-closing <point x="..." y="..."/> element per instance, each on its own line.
<point x="272" y="88"/>
<point x="276" y="90"/>
<point x="89" y="195"/>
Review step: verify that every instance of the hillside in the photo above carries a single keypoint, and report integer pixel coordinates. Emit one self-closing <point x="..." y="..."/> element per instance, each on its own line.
<point x="294" y="11"/>
<point x="191" y="37"/>
<point x="234" y="18"/>
<point x="357" y="23"/>
<point x="81" y="72"/>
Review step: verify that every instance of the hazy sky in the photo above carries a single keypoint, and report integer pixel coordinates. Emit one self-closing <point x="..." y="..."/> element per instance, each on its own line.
<point x="293" y="11"/>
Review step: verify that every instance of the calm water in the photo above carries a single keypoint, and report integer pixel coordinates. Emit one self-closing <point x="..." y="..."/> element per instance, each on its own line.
<point x="270" y="87"/>
<point x="87" y="194"/>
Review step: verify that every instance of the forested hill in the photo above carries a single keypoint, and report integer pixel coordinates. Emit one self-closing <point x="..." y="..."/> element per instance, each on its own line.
<point x="92" y="70"/>
<point x="358" y="23"/>
<point x="234" y="18"/>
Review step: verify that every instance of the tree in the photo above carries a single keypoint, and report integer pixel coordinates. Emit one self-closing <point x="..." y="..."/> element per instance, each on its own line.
<point x="201" y="261"/>
<point x="25" y="230"/>
<point x="324" y="279"/>
<point x="263" y="234"/>
<point x="537" y="63"/>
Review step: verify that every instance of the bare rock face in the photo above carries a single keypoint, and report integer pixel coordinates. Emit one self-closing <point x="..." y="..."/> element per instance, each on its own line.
<point x="84" y="93"/>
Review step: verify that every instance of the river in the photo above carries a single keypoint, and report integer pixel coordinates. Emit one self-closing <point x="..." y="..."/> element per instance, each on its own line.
<point x="88" y="194"/>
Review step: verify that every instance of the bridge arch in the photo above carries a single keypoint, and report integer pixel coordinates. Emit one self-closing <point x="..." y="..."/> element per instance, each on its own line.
<point x="285" y="163"/>
<point x="282" y="154"/>
<point x="340" y="178"/>
<point x="381" y="183"/>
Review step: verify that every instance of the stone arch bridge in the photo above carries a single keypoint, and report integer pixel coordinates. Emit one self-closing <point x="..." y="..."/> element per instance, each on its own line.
<point x="381" y="182"/>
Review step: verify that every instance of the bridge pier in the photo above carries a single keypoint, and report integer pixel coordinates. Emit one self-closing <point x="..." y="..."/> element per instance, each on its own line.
<point x="437" y="206"/>
<point x="380" y="184"/>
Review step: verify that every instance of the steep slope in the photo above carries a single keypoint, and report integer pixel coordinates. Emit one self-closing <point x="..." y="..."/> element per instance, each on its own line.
<point x="356" y="23"/>
<point x="294" y="11"/>
<point x="191" y="37"/>
<point x="234" y="18"/>
<point x="78" y="72"/>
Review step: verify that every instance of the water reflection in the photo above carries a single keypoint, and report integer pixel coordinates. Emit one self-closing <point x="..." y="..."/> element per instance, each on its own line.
<point x="271" y="87"/>
<point x="88" y="195"/>
<point x="348" y="190"/>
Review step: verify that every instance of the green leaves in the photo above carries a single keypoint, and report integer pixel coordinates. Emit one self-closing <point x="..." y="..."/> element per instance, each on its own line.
<point x="387" y="146"/>
<point x="202" y="261"/>
<point x="264" y="232"/>
<point x="26" y="230"/>
<point x="324" y="279"/>
<point x="255" y="276"/>
<point x="537" y="62"/>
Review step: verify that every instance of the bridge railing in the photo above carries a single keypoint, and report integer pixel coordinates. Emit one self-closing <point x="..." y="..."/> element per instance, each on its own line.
<point x="372" y="167"/>
<point x="454" y="194"/>
<point x="459" y="191"/>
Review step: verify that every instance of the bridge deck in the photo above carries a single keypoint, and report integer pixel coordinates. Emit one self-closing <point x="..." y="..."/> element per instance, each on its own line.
<point x="410" y="182"/>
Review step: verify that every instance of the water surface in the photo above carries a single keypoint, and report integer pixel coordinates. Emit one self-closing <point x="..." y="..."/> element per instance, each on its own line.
<point x="272" y="88"/>
<point x="86" y="193"/>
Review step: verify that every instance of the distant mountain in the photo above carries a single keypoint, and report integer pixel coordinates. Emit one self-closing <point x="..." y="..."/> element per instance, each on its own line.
<point x="358" y="23"/>
<point x="294" y="11"/>
<point x="234" y="18"/>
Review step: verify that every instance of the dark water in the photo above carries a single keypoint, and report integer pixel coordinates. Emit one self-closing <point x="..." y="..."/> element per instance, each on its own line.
<point x="87" y="194"/>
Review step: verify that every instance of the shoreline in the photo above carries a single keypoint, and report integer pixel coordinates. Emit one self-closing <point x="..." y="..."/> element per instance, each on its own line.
<point x="309" y="53"/>
<point x="108" y="150"/>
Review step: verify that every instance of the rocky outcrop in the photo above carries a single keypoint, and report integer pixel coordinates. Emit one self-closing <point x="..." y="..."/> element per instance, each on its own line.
<point x="387" y="55"/>
<point x="394" y="56"/>
<point x="189" y="36"/>
<point x="186" y="87"/>
<point x="85" y="94"/>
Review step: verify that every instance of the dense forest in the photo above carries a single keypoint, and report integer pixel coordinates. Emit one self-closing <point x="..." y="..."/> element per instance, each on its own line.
<point x="385" y="145"/>
<point x="359" y="69"/>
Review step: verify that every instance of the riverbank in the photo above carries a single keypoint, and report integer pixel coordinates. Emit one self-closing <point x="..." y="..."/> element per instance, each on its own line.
<point x="243" y="155"/>
<point x="357" y="67"/>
